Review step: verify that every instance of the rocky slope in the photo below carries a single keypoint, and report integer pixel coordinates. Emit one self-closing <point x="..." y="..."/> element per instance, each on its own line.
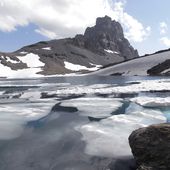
<point x="100" y="45"/>
<point x="153" y="64"/>
<point x="151" y="147"/>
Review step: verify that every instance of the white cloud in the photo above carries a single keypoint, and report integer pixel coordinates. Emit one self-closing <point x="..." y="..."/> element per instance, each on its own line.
<point x="46" y="33"/>
<point x="163" y="28"/>
<point x="165" y="41"/>
<point x="134" y="30"/>
<point x="65" y="18"/>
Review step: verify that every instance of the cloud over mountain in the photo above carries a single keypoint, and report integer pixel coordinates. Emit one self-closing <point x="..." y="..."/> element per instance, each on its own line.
<point x="63" y="18"/>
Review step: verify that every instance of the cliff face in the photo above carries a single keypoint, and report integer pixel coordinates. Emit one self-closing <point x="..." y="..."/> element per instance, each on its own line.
<point x="106" y="35"/>
<point x="151" y="147"/>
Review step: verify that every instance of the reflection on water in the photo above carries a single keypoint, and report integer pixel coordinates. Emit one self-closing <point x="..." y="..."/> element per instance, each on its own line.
<point x="79" y="123"/>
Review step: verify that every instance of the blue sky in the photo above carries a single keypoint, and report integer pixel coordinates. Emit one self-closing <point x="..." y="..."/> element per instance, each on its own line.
<point x="152" y="13"/>
<point x="146" y="23"/>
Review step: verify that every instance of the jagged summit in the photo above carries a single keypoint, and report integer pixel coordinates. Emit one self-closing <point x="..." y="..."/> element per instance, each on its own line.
<point x="104" y="21"/>
<point x="100" y="45"/>
<point x="106" y="34"/>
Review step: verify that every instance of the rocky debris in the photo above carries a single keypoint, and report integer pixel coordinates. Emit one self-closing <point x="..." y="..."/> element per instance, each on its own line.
<point x="151" y="147"/>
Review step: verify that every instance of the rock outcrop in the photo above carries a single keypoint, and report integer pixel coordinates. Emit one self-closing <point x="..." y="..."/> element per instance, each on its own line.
<point x="106" y="35"/>
<point x="151" y="147"/>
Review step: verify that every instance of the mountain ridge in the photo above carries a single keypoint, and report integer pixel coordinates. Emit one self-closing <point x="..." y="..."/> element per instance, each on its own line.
<point x="99" y="46"/>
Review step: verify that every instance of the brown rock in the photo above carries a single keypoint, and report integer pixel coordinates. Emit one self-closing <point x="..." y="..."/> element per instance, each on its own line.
<point x="151" y="147"/>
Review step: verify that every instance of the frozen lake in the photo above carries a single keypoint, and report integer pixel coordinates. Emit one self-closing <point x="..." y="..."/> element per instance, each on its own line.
<point x="77" y="123"/>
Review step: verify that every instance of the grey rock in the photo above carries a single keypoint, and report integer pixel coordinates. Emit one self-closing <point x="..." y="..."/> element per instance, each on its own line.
<point x="151" y="147"/>
<point x="106" y="34"/>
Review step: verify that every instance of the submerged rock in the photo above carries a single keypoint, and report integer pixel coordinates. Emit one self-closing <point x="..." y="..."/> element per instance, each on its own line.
<point x="151" y="147"/>
<point x="124" y="163"/>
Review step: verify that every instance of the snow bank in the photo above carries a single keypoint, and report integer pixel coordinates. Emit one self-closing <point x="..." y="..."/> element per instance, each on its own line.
<point x="32" y="62"/>
<point x="76" y="67"/>
<point x="24" y="73"/>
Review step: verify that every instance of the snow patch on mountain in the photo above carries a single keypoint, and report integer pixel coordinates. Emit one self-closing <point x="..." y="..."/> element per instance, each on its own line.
<point x="46" y="48"/>
<point x="23" y="52"/>
<point x="110" y="51"/>
<point x="22" y="73"/>
<point x="152" y="101"/>
<point x="76" y="67"/>
<point x="33" y="63"/>
<point x="8" y="59"/>
<point x="32" y="60"/>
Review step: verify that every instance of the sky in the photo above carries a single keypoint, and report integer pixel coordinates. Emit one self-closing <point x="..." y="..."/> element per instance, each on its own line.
<point x="146" y="23"/>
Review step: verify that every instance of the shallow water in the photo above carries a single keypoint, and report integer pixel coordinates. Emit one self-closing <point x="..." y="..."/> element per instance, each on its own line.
<point x="79" y="123"/>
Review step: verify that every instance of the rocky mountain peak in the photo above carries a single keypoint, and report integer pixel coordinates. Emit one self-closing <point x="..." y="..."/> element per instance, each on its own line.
<point x="107" y="34"/>
<point x="104" y="21"/>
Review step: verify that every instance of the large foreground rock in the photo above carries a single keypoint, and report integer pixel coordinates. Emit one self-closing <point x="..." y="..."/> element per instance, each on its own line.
<point x="151" y="147"/>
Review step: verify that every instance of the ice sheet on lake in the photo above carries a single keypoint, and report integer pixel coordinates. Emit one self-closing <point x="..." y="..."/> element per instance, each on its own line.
<point x="145" y="85"/>
<point x="109" y="137"/>
<point x="94" y="107"/>
<point x="13" y="116"/>
<point x="152" y="101"/>
<point x="46" y="48"/>
<point x="112" y="52"/>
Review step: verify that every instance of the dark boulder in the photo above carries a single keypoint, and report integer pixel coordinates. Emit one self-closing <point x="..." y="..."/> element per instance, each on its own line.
<point x="151" y="147"/>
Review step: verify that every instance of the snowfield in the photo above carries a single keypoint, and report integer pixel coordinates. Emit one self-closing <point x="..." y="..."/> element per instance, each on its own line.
<point x="137" y="66"/>
<point x="33" y="63"/>
<point x="32" y="60"/>
<point x="76" y="67"/>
